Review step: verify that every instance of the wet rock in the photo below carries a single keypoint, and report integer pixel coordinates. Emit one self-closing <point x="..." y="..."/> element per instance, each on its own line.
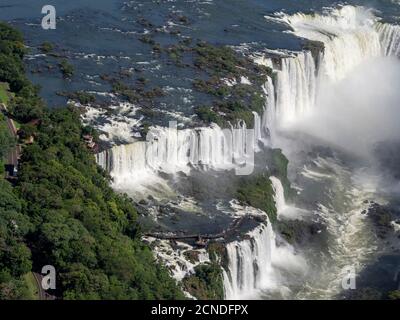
<point x="381" y="217"/>
<point x="192" y="256"/>
<point x="299" y="231"/>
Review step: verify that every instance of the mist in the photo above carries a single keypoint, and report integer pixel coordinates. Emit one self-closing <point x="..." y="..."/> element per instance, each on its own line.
<point x="359" y="111"/>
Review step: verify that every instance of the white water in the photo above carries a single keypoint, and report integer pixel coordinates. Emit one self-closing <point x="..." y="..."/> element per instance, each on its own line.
<point x="390" y="38"/>
<point x="352" y="241"/>
<point x="119" y="126"/>
<point x="351" y="36"/>
<point x="250" y="264"/>
<point x="256" y="266"/>
<point x="175" y="259"/>
<point x="296" y="88"/>
<point x="268" y="118"/>
<point x="279" y="197"/>
<point x="170" y="150"/>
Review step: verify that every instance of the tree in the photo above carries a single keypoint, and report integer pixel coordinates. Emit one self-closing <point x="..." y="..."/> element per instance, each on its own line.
<point x="6" y="139"/>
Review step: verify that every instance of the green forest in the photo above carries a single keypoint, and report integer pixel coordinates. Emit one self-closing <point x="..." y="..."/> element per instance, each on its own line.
<point x="61" y="211"/>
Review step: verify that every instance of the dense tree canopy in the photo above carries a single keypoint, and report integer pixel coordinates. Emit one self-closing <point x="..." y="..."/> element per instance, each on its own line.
<point x="82" y="227"/>
<point x="6" y="140"/>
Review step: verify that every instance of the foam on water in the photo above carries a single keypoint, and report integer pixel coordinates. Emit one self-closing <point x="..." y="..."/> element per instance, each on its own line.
<point x="352" y="242"/>
<point x="175" y="259"/>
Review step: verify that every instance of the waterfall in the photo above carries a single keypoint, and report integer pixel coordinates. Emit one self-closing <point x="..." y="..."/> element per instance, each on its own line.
<point x="257" y="129"/>
<point x="350" y="35"/>
<point x="268" y="118"/>
<point x="296" y="87"/>
<point x="250" y="264"/>
<point x="254" y="264"/>
<point x="279" y="197"/>
<point x="170" y="150"/>
<point x="102" y="160"/>
<point x="347" y="33"/>
<point x="125" y="162"/>
<point x="390" y="38"/>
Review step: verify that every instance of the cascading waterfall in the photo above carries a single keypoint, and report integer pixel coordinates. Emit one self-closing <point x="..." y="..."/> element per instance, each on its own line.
<point x="267" y="122"/>
<point x="279" y="197"/>
<point x="125" y="161"/>
<point x="250" y="264"/>
<point x="347" y="33"/>
<point x="390" y="38"/>
<point x="170" y="150"/>
<point x="296" y="87"/>
<point x="254" y="264"/>
<point x="350" y="35"/>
